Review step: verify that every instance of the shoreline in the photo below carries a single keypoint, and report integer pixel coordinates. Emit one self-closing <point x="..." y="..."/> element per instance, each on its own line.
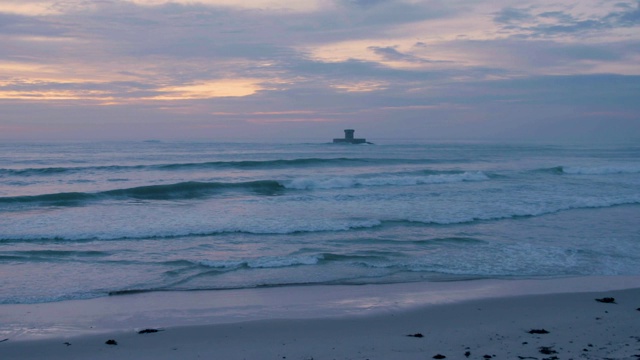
<point x="366" y="321"/>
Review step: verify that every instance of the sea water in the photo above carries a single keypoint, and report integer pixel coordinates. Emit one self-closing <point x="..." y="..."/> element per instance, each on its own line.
<point x="83" y="220"/>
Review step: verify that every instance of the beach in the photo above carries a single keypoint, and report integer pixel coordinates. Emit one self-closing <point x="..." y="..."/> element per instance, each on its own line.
<point x="318" y="180"/>
<point x="568" y="318"/>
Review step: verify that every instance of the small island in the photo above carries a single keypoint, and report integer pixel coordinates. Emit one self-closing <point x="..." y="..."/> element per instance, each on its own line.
<point x="349" y="139"/>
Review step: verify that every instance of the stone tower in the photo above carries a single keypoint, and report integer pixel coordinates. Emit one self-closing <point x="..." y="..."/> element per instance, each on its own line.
<point x="349" y="139"/>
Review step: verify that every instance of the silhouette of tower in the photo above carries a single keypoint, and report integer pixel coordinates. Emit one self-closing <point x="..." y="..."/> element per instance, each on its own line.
<point x="348" y="134"/>
<point x="349" y="139"/>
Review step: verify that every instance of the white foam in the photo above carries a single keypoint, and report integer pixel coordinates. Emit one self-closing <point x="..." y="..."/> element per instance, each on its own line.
<point x="283" y="261"/>
<point x="602" y="170"/>
<point x="263" y="262"/>
<point x="221" y="264"/>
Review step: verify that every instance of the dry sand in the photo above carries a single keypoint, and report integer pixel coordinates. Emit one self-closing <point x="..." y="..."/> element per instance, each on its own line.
<point x="479" y="319"/>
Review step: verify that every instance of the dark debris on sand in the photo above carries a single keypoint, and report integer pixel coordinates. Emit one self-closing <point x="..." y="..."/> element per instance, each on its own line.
<point x="538" y="331"/>
<point x="547" y="350"/>
<point x="439" y="356"/>
<point x="416" y="335"/>
<point x="149" y="331"/>
<point x="111" y="342"/>
<point x="607" y="300"/>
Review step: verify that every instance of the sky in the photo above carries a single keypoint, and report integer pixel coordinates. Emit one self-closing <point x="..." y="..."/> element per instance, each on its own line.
<point x="276" y="69"/>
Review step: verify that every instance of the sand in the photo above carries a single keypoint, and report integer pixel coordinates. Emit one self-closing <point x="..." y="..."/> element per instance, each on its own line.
<point x="482" y="319"/>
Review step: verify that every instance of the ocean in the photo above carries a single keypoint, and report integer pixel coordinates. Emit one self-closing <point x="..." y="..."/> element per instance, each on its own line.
<point x="91" y="219"/>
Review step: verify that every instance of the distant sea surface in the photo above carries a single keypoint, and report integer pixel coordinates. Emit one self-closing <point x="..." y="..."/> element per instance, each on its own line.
<point x="84" y="220"/>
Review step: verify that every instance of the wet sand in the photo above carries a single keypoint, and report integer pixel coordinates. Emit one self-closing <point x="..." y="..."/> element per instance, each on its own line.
<point x="482" y="319"/>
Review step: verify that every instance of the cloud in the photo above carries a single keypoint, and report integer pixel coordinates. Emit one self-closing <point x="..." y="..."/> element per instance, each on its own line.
<point x="365" y="3"/>
<point x="529" y="21"/>
<point x="28" y="7"/>
<point x="511" y="15"/>
<point x="221" y="63"/>
<point x="112" y="93"/>
<point x="547" y="57"/>
<point x="359" y="86"/>
<point x="629" y="16"/>
<point x="209" y="89"/>
<point x="391" y="53"/>
<point x="13" y="24"/>
<point x="278" y="5"/>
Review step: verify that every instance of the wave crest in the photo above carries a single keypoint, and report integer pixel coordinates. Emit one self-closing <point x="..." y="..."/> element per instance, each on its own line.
<point x="184" y="190"/>
<point x="341" y="182"/>
<point x="262" y="263"/>
<point x="602" y="170"/>
<point x="243" y="164"/>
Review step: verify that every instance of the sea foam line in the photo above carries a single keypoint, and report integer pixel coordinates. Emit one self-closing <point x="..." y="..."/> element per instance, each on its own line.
<point x="593" y="170"/>
<point x="286" y="228"/>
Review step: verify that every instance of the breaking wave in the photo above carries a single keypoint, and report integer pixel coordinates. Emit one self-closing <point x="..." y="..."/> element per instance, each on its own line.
<point x="247" y="165"/>
<point x="262" y="263"/>
<point x="287" y="228"/>
<point x="195" y="189"/>
<point x="593" y="170"/>
<point x="602" y="170"/>
<point x="184" y="190"/>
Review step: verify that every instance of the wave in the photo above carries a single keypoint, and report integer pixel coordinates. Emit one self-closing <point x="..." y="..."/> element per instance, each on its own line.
<point x="50" y="255"/>
<point x="134" y="291"/>
<point x="80" y="295"/>
<point x="37" y="171"/>
<point x="262" y="263"/>
<point x="288" y="261"/>
<point x="284" y="228"/>
<point x="593" y="170"/>
<point x="339" y="182"/>
<point x="268" y="164"/>
<point x="602" y="170"/>
<point x="195" y="189"/>
<point x="450" y="240"/>
<point x="247" y="165"/>
<point x="184" y="190"/>
<point x="556" y="170"/>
